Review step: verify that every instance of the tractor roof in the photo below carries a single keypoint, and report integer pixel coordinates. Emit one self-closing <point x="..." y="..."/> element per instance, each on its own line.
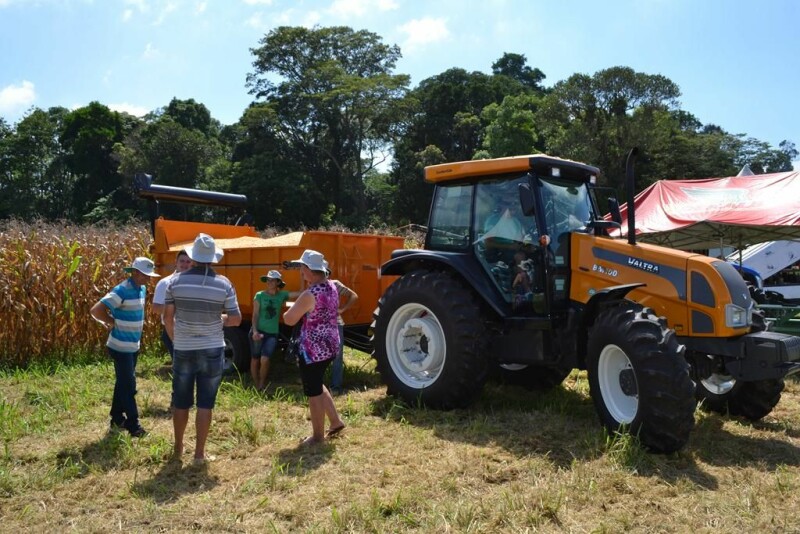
<point x="539" y="163"/>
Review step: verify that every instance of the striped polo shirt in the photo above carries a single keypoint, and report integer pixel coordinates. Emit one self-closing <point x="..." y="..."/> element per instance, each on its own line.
<point x="200" y="299"/>
<point x="126" y="302"/>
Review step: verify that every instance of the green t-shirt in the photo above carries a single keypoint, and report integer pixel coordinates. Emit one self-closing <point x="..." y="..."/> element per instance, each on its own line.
<point x="269" y="310"/>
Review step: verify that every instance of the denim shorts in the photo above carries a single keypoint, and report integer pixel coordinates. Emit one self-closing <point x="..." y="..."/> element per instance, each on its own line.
<point x="268" y="345"/>
<point x="202" y="367"/>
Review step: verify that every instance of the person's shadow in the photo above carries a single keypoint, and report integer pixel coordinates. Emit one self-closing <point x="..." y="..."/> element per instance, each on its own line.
<point x="301" y="459"/>
<point x="176" y="478"/>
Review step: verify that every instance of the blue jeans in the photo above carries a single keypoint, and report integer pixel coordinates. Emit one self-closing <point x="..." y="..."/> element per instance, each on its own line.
<point x="123" y="403"/>
<point x="337" y="368"/>
<point x="202" y="367"/>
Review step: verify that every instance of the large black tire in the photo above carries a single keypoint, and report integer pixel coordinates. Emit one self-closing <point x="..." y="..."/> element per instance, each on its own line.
<point x="639" y="378"/>
<point x="532" y="377"/>
<point x="752" y="400"/>
<point x="721" y="393"/>
<point x="237" y="349"/>
<point x="429" y="341"/>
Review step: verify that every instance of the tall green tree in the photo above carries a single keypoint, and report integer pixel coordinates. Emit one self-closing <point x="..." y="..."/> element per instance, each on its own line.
<point x="88" y="138"/>
<point x="34" y="179"/>
<point x="511" y="126"/>
<point x="447" y="121"/>
<point x="593" y="118"/>
<point x="277" y="184"/>
<point x="516" y="66"/>
<point x="336" y="103"/>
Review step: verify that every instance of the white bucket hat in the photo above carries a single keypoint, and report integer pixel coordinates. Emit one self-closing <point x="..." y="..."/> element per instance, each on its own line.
<point x="204" y="250"/>
<point x="311" y="259"/>
<point x="144" y="266"/>
<point x="274" y="275"/>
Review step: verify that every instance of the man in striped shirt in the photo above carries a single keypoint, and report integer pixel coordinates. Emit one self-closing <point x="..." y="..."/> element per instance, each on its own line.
<point x="198" y="304"/>
<point x="121" y="311"/>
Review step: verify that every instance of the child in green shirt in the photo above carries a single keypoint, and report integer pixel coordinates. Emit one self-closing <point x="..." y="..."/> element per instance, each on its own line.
<point x="267" y="308"/>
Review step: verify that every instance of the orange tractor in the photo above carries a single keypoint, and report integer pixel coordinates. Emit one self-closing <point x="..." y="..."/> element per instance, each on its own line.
<point x="519" y="274"/>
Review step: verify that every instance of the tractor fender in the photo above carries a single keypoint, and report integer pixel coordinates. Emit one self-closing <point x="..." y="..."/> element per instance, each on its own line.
<point x="597" y="301"/>
<point x="463" y="265"/>
<point x="594" y="306"/>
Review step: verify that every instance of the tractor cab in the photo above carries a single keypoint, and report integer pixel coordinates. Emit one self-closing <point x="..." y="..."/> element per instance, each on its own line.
<point x="516" y="225"/>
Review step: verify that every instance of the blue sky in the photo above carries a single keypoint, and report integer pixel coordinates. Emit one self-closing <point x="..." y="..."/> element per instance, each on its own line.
<point x="737" y="62"/>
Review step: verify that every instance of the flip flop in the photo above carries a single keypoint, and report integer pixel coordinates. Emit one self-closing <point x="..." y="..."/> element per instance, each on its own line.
<point x="333" y="432"/>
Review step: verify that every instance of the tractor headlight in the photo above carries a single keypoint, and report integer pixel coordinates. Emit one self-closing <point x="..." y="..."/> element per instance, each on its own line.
<point x="736" y="316"/>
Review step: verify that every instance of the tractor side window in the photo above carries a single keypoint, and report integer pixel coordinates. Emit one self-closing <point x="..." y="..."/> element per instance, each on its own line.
<point x="450" y="218"/>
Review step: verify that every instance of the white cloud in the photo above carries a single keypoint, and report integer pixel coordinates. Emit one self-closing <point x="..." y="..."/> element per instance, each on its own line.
<point x="14" y="99"/>
<point x="127" y="15"/>
<point x="162" y="15"/>
<point x="359" y="8"/>
<point x="141" y="5"/>
<point x="136" y="111"/>
<point x="258" y="2"/>
<point x="150" y="52"/>
<point x="200" y="8"/>
<point x="421" y="32"/>
<point x="255" y="21"/>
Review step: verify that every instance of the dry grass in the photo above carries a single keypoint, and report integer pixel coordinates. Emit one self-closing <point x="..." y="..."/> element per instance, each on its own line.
<point x="515" y="462"/>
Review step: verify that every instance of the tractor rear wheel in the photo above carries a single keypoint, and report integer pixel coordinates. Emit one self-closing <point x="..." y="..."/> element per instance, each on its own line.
<point x="429" y="340"/>
<point x="639" y="378"/>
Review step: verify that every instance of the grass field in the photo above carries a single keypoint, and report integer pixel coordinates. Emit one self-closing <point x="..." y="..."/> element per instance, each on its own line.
<point x="514" y="462"/>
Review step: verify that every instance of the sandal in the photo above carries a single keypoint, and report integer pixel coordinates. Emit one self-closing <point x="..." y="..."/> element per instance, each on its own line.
<point x="333" y="432"/>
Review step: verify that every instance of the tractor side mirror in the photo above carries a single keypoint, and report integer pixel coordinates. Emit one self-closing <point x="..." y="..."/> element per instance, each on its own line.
<point x="613" y="208"/>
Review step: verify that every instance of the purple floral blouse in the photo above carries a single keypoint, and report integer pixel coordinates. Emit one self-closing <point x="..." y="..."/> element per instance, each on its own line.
<point x="319" y="335"/>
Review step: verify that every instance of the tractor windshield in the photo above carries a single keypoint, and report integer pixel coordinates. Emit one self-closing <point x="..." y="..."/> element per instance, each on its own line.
<point x="567" y="206"/>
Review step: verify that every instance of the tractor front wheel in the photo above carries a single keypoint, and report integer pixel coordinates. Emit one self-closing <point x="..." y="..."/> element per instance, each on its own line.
<point x="639" y="378"/>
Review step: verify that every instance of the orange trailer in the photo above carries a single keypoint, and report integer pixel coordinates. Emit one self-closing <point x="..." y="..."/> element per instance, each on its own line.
<point x="354" y="259"/>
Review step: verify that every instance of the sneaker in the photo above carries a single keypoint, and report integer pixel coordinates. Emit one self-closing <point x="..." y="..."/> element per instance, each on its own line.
<point x="137" y="432"/>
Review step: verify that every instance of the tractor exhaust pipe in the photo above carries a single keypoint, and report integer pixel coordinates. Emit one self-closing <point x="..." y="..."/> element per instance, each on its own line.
<point x="629" y="194"/>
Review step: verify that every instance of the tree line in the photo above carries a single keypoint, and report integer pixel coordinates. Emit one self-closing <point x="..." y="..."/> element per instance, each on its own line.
<point x="335" y="136"/>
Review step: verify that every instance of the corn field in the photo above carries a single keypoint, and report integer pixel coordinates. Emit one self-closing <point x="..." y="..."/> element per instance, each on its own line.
<point x="50" y="276"/>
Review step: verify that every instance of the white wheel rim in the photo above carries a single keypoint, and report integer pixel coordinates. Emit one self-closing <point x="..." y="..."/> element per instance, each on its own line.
<point x="719" y="384"/>
<point x="613" y="368"/>
<point x="415" y="345"/>
<point x="513" y="366"/>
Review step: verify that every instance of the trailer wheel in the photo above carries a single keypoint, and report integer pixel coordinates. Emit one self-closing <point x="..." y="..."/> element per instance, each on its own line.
<point x="237" y="350"/>
<point x="722" y="393"/>
<point x="532" y="377"/>
<point x="429" y="341"/>
<point x="639" y="378"/>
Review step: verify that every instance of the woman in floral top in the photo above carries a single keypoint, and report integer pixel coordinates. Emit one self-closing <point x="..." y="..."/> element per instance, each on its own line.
<point x="318" y="307"/>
